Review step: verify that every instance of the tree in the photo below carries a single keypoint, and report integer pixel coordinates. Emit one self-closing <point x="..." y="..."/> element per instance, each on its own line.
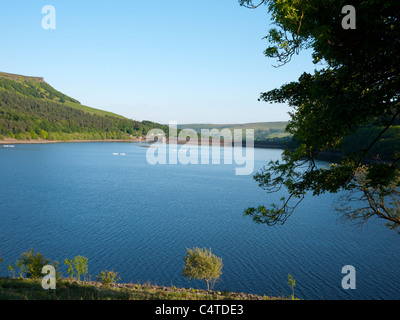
<point x="11" y="270"/>
<point x="78" y="266"/>
<point x="292" y="284"/>
<point x="202" y="264"/>
<point x="382" y="201"/>
<point x="43" y="134"/>
<point x="358" y="86"/>
<point x="31" y="264"/>
<point x="70" y="269"/>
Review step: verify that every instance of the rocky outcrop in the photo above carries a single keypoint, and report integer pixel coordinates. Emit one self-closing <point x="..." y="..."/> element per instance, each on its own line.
<point x="18" y="77"/>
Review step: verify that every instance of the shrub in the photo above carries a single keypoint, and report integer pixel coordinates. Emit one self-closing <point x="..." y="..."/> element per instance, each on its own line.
<point x="108" y="278"/>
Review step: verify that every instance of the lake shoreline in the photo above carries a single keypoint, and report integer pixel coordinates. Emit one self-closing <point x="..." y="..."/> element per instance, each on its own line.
<point x="9" y="141"/>
<point x="257" y="144"/>
<point x="323" y="156"/>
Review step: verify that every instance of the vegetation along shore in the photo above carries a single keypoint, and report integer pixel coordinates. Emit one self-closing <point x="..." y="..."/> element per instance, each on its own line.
<point x="25" y="281"/>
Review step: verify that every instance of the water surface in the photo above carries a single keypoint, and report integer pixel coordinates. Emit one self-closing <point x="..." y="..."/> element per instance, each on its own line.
<point x="124" y="214"/>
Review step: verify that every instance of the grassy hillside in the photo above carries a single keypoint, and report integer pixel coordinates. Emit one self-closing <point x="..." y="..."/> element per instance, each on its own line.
<point x="32" y="109"/>
<point x="262" y="130"/>
<point x="67" y="289"/>
<point x="36" y="87"/>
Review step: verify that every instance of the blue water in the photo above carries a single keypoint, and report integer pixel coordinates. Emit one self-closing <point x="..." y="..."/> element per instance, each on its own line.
<point x="123" y="214"/>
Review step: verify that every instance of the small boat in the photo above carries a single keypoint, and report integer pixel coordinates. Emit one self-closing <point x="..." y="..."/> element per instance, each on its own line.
<point x="115" y="153"/>
<point x="122" y="154"/>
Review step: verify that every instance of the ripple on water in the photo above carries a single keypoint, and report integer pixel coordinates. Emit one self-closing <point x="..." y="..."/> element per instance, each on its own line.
<point x="138" y="219"/>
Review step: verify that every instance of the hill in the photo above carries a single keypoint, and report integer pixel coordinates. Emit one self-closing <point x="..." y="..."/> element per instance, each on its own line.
<point x="262" y="130"/>
<point x="32" y="109"/>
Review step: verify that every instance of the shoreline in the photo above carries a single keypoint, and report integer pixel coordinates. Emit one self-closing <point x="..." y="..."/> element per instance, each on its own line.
<point x="73" y="289"/>
<point x="9" y="141"/>
<point x="257" y="144"/>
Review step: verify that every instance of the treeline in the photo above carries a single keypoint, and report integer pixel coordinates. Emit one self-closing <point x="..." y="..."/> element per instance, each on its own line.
<point x="28" y="117"/>
<point x="32" y="275"/>
<point x="385" y="148"/>
<point x="30" y="265"/>
<point x="200" y="264"/>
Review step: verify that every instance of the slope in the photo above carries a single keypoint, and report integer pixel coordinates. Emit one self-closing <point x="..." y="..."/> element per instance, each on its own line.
<point x="30" y="108"/>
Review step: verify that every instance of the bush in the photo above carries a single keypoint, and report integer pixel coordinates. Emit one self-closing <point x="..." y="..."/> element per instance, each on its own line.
<point x="108" y="278"/>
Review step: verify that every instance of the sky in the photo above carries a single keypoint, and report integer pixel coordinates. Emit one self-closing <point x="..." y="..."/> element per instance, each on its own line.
<point x="179" y="60"/>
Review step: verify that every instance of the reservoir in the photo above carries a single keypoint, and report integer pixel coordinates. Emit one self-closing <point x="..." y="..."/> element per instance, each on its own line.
<point x="106" y="202"/>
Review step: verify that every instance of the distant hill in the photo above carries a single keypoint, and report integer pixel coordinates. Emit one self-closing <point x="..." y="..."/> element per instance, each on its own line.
<point x="270" y="134"/>
<point x="32" y="109"/>
<point x="262" y="130"/>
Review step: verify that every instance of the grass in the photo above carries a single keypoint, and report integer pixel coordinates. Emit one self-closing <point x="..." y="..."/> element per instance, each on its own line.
<point x="254" y="125"/>
<point x="92" y="110"/>
<point x="20" y="78"/>
<point x="67" y="289"/>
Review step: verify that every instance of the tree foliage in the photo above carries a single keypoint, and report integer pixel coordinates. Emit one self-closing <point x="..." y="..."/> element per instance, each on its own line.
<point x="31" y="264"/>
<point x="202" y="264"/>
<point x="356" y="88"/>
<point x="108" y="278"/>
<point x="77" y="266"/>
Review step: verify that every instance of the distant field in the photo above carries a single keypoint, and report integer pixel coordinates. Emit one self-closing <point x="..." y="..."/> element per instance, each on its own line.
<point x="262" y="130"/>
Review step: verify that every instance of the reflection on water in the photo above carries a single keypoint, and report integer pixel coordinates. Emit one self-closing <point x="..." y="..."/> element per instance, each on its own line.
<point x="104" y="201"/>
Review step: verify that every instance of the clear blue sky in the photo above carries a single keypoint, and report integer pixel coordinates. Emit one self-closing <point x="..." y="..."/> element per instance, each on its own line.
<point x="179" y="60"/>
